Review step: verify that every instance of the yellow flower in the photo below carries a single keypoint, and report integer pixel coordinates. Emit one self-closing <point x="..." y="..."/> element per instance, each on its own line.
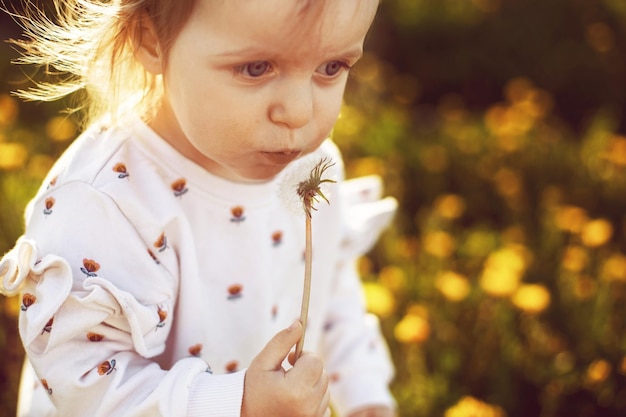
<point x="453" y="286"/>
<point x="503" y="271"/>
<point x="499" y="283"/>
<point x="472" y="407"/>
<point x="596" y="232"/>
<point x="570" y="218"/>
<point x="450" y="206"/>
<point x="614" y="268"/>
<point x="392" y="277"/>
<point x="531" y="298"/>
<point x="598" y="371"/>
<point x="12" y="155"/>
<point x="379" y="299"/>
<point x="412" y="328"/>
<point x="575" y="259"/>
<point x="439" y="244"/>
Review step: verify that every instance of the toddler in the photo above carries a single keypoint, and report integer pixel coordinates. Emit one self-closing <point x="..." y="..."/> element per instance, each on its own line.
<point x="160" y="272"/>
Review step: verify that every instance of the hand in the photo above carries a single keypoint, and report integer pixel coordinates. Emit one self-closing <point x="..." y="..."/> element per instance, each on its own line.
<point x="269" y="390"/>
<point x="376" y="411"/>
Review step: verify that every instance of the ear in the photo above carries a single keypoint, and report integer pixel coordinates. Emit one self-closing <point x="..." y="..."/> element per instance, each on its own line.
<point x="147" y="46"/>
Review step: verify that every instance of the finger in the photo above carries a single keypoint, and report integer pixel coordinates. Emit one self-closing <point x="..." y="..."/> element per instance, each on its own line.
<point x="274" y="353"/>
<point x="309" y="368"/>
<point x="324" y="408"/>
<point x="323" y="382"/>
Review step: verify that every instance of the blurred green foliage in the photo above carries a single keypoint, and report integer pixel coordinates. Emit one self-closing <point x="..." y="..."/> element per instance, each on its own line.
<point x="500" y="126"/>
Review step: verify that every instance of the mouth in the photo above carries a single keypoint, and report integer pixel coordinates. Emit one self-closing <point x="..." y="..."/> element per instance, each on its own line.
<point x="280" y="157"/>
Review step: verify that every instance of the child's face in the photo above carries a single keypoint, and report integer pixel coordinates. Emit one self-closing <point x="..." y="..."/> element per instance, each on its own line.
<point x="251" y="85"/>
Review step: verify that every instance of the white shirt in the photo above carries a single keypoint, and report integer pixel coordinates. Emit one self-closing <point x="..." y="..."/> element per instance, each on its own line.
<point x="148" y="284"/>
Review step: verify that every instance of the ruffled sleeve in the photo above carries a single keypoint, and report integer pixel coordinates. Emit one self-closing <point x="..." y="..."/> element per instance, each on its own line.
<point x="357" y="357"/>
<point x="96" y="307"/>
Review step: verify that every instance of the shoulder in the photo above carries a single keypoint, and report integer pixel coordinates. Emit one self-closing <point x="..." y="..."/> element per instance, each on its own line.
<point x="87" y="156"/>
<point x="105" y="170"/>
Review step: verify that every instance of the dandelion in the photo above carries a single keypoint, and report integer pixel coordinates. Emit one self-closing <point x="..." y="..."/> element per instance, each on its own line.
<point x="596" y="233"/>
<point x="531" y="298"/>
<point x="454" y="286"/>
<point x="310" y="192"/>
<point x="379" y="299"/>
<point x="413" y="328"/>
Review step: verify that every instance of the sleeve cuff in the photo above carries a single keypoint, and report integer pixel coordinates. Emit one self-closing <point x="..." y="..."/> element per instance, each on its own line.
<point x="216" y="395"/>
<point x="361" y="393"/>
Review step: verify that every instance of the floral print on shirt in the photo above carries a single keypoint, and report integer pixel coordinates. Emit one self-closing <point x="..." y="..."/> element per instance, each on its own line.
<point x="235" y="291"/>
<point x="161" y="242"/>
<point x="179" y="187"/>
<point x="44" y="382"/>
<point x="237" y="214"/>
<point x="106" y="367"/>
<point x="121" y="170"/>
<point x="27" y="301"/>
<point x="90" y="267"/>
<point x="48" y="204"/>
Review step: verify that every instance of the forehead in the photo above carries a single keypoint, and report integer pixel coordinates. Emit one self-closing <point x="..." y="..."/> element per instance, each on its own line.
<point x="285" y="25"/>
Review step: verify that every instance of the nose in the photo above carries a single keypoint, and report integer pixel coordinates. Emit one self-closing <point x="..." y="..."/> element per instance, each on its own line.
<point x="292" y="104"/>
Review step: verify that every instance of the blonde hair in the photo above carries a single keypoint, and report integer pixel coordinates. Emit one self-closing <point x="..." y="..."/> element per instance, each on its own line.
<point x="88" y="47"/>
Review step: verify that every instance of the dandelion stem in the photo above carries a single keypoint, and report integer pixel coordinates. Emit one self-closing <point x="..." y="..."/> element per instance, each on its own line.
<point x="306" y="293"/>
<point x="309" y="191"/>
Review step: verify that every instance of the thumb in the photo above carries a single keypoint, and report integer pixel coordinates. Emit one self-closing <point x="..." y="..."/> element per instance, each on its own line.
<point x="277" y="349"/>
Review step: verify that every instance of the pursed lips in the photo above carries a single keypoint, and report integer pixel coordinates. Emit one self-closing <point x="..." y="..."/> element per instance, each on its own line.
<point x="280" y="157"/>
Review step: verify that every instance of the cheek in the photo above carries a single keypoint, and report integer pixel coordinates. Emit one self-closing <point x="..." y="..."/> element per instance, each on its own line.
<point x="329" y="109"/>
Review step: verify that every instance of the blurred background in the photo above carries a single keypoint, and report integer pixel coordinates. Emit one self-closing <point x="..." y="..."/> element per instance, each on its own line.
<point x="500" y="125"/>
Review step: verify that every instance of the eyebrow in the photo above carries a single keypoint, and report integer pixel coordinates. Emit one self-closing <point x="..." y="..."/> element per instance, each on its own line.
<point x="354" y="53"/>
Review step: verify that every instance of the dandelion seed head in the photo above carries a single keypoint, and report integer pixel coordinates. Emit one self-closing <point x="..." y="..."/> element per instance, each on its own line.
<point x="299" y="173"/>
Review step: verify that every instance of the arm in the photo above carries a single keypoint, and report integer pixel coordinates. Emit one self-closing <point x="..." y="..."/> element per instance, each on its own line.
<point x="97" y="309"/>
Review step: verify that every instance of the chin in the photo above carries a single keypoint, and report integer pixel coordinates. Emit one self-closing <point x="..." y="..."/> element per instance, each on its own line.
<point x="260" y="174"/>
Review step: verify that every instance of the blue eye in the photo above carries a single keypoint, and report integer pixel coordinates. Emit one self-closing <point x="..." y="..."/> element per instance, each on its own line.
<point x="255" y="69"/>
<point x="332" y="68"/>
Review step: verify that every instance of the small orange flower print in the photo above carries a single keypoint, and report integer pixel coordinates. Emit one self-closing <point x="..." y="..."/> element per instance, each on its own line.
<point x="162" y="317"/>
<point x="235" y="291"/>
<point x="153" y="256"/>
<point x="334" y="377"/>
<point x="94" y="337"/>
<point x="232" y="366"/>
<point x="161" y="242"/>
<point x="277" y="238"/>
<point x="52" y="182"/>
<point x="90" y="267"/>
<point x="48" y="327"/>
<point x="121" y="170"/>
<point x="179" y="187"/>
<point x="106" y="367"/>
<point x="195" y="350"/>
<point x="27" y="301"/>
<point x="274" y="311"/>
<point x="49" y="203"/>
<point x="46" y="387"/>
<point x="237" y="214"/>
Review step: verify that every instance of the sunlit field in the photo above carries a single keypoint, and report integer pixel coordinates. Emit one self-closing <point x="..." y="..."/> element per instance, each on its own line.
<point x="500" y="126"/>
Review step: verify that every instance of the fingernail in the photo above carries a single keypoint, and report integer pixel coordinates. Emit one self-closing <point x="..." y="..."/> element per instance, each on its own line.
<point x="293" y="325"/>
